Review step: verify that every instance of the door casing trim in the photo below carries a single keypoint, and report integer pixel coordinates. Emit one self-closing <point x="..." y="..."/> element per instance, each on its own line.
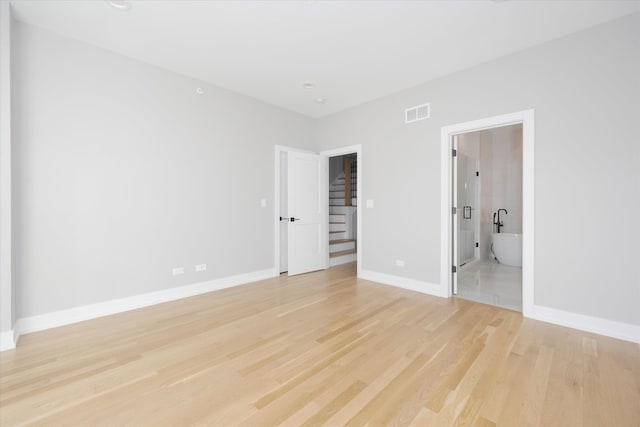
<point x="525" y="117"/>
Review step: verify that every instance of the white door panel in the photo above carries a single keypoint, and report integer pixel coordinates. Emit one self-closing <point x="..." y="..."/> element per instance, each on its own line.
<point x="284" y="213"/>
<point x="307" y="207"/>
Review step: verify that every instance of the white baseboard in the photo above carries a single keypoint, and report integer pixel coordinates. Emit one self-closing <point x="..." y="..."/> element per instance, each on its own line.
<point x="78" y="314"/>
<point x="7" y="340"/>
<point x="597" y="325"/>
<point x="404" y="283"/>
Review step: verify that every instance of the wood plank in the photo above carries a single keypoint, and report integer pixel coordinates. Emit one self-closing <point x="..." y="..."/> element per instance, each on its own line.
<point x="323" y="348"/>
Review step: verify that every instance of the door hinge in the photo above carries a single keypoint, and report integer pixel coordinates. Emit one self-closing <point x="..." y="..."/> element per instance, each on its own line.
<point x="454" y="269"/>
<point x="454" y="152"/>
<point x="477" y="173"/>
<point x="453" y="210"/>
<point x="477" y="245"/>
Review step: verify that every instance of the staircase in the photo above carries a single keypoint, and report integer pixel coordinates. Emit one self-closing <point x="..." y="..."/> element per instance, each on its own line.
<point x="342" y="224"/>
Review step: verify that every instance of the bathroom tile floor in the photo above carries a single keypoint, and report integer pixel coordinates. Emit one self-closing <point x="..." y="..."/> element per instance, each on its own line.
<point x="491" y="283"/>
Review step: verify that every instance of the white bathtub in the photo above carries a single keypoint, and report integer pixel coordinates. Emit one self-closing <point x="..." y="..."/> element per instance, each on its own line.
<point x="507" y="247"/>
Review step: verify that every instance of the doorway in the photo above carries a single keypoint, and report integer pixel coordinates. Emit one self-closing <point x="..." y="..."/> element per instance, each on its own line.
<point x="347" y="160"/>
<point x="449" y="269"/>
<point x="300" y="208"/>
<point x="487" y="226"/>
<point x="343" y="209"/>
<point x="282" y="215"/>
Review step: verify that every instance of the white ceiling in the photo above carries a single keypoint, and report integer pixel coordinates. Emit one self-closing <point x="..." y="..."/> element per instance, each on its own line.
<point x="353" y="51"/>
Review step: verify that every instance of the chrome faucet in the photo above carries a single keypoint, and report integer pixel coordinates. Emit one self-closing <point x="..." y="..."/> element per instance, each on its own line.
<point x="498" y="223"/>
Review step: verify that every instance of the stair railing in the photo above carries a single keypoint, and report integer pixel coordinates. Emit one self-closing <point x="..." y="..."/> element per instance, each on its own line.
<point x="350" y="185"/>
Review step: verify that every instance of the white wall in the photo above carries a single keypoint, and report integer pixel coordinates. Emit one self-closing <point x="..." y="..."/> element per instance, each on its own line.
<point x="123" y="172"/>
<point x="469" y="144"/>
<point x="506" y="175"/>
<point x="336" y="167"/>
<point x="485" y="142"/>
<point x="584" y="89"/>
<point x="7" y="312"/>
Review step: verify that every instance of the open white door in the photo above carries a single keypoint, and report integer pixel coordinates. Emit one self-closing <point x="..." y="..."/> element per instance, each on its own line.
<point x="454" y="221"/>
<point x="307" y="210"/>
<point x="283" y="224"/>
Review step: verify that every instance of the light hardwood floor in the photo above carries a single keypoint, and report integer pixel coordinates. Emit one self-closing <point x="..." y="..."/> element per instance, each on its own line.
<point x="319" y="349"/>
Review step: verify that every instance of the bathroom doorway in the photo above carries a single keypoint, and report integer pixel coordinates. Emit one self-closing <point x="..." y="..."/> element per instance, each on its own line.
<point x="479" y="263"/>
<point x="487" y="176"/>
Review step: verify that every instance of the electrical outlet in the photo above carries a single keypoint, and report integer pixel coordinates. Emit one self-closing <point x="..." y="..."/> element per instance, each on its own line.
<point x="177" y="271"/>
<point x="369" y="204"/>
<point x="201" y="267"/>
<point x="263" y="203"/>
<point x="399" y="263"/>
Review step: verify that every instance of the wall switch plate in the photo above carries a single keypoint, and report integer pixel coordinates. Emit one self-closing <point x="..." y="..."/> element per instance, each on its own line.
<point x="201" y="267"/>
<point x="177" y="271"/>
<point x="399" y="263"/>
<point x="369" y="204"/>
<point x="263" y="203"/>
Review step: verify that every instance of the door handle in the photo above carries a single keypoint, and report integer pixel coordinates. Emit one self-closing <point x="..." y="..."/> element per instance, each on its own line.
<point x="464" y="212"/>
<point x="283" y="218"/>
<point x="294" y="219"/>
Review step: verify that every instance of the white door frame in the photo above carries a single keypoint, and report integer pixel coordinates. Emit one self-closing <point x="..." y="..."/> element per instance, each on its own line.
<point x="454" y="219"/>
<point x="527" y="119"/>
<point x="340" y="152"/>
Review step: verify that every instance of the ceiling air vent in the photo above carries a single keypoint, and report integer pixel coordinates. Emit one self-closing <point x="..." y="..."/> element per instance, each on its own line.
<point x="419" y="112"/>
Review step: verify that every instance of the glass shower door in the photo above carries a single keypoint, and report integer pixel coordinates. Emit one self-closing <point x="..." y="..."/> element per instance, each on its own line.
<point x="467" y="203"/>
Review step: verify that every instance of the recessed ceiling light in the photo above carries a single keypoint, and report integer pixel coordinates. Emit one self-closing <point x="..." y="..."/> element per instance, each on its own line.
<point x="200" y="91"/>
<point x="321" y="100"/>
<point x="120" y="4"/>
<point x="308" y="85"/>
